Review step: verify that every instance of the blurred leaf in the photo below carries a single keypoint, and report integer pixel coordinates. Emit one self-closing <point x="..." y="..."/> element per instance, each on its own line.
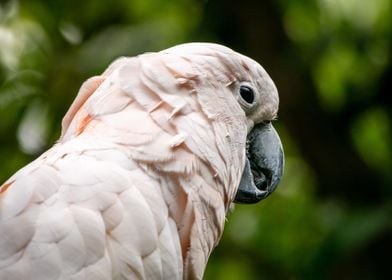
<point x="372" y="136"/>
<point x="302" y="22"/>
<point x="365" y="17"/>
<point x="32" y="130"/>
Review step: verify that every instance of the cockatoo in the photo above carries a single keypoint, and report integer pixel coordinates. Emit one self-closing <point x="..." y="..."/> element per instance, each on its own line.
<point x="151" y="155"/>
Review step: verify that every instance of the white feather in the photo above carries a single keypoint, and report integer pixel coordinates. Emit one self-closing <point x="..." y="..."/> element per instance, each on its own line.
<point x="138" y="185"/>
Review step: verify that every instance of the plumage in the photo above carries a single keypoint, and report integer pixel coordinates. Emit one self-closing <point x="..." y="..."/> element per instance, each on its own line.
<point x="150" y="157"/>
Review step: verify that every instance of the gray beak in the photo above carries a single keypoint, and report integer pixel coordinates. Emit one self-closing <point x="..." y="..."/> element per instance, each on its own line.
<point x="263" y="166"/>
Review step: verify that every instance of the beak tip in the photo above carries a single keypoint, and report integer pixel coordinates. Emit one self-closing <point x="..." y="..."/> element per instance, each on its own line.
<point x="250" y="197"/>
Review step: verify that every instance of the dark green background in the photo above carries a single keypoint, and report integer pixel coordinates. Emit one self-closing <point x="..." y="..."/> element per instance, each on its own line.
<point x="331" y="61"/>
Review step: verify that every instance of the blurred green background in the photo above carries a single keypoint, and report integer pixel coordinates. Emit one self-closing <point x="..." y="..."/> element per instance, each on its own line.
<point x="331" y="61"/>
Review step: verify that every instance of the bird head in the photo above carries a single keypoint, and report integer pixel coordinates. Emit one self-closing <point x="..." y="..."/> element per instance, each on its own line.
<point x="254" y="101"/>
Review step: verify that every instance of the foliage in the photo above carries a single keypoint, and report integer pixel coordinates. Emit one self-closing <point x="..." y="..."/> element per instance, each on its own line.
<point x="331" y="60"/>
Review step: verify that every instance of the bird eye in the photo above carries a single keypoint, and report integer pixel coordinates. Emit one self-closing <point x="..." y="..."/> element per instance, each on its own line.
<point x="247" y="94"/>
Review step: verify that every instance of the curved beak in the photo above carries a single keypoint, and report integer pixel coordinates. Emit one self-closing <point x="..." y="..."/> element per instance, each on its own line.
<point x="264" y="165"/>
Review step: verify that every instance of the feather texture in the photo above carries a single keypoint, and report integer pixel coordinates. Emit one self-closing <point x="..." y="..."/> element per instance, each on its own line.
<point x="138" y="186"/>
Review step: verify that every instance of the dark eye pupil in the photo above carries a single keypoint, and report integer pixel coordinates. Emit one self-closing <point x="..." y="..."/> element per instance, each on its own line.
<point x="247" y="94"/>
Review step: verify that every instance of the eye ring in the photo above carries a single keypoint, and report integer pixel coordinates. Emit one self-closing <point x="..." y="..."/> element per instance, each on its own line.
<point x="247" y="97"/>
<point x="247" y="94"/>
